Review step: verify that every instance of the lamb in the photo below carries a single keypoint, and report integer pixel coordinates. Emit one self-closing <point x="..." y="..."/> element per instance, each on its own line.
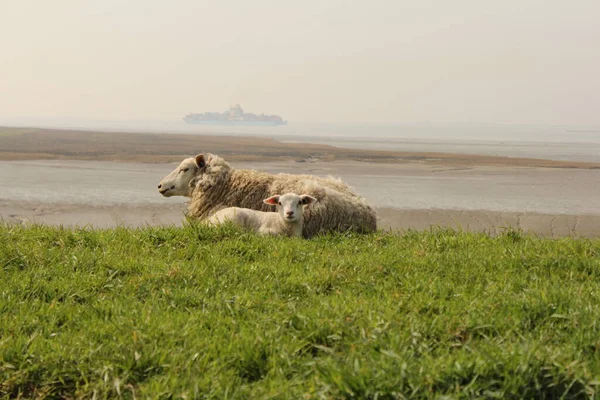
<point x="286" y="221"/>
<point x="213" y="184"/>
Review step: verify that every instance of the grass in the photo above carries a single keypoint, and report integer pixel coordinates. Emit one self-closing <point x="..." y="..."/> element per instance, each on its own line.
<point x="195" y="312"/>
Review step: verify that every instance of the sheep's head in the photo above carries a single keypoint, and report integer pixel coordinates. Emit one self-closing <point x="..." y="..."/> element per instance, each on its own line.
<point x="290" y="205"/>
<point x="182" y="180"/>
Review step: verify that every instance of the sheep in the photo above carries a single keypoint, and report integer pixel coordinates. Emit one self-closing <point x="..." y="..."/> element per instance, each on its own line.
<point x="212" y="184"/>
<point x="287" y="221"/>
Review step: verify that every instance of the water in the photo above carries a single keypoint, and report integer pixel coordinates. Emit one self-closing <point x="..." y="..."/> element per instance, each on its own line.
<point x="83" y="182"/>
<point x="416" y="186"/>
<point x="402" y="186"/>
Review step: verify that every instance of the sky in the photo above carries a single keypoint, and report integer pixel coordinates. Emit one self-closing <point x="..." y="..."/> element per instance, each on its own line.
<point x="465" y="61"/>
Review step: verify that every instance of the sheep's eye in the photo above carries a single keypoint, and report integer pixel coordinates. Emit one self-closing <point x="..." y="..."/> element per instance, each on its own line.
<point x="279" y="202"/>
<point x="186" y="169"/>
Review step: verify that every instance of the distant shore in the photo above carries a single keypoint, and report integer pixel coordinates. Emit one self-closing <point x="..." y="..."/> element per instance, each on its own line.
<point x="55" y="144"/>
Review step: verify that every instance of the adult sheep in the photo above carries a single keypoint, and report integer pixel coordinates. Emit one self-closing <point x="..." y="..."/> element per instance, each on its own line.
<point x="213" y="184"/>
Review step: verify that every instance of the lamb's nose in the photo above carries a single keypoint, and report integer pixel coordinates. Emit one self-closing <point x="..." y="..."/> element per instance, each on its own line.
<point x="159" y="186"/>
<point x="289" y="213"/>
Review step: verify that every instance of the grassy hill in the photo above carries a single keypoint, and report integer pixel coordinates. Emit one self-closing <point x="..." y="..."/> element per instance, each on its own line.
<point x="217" y="313"/>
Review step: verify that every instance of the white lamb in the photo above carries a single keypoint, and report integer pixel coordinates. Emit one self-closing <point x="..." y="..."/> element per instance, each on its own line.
<point x="287" y="221"/>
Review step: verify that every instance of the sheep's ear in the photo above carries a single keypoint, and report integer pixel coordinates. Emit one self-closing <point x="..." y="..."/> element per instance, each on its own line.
<point x="273" y="200"/>
<point x="200" y="161"/>
<point x="306" y="199"/>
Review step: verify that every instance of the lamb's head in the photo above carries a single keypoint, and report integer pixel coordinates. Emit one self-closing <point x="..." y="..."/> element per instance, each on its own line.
<point x="290" y="205"/>
<point x="182" y="180"/>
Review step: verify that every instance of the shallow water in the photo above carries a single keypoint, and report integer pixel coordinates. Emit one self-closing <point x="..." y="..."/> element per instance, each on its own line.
<point x="83" y="182"/>
<point x="417" y="186"/>
<point x="404" y="186"/>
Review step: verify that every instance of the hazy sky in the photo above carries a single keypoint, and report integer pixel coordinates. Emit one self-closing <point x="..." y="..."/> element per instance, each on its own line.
<point x="509" y="61"/>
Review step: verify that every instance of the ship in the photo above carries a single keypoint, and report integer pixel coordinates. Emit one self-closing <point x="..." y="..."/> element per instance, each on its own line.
<point x="234" y="116"/>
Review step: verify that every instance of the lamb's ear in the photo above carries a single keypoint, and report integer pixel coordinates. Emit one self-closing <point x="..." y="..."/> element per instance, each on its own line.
<point x="273" y="200"/>
<point x="306" y="199"/>
<point x="200" y="160"/>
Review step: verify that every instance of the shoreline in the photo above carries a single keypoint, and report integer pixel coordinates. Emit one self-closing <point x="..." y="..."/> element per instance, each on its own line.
<point x="57" y="144"/>
<point x="402" y="220"/>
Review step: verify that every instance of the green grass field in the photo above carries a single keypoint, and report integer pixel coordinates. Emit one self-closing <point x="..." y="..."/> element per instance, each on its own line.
<point x="217" y="313"/>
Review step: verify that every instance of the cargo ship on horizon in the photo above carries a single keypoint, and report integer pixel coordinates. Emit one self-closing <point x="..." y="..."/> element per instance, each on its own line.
<point x="234" y="116"/>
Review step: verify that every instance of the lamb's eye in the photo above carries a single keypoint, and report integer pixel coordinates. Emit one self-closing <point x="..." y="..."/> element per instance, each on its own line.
<point x="279" y="202"/>
<point x="186" y="169"/>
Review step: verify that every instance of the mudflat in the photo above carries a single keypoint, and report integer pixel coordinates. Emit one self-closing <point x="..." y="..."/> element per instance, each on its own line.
<point x="55" y="144"/>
